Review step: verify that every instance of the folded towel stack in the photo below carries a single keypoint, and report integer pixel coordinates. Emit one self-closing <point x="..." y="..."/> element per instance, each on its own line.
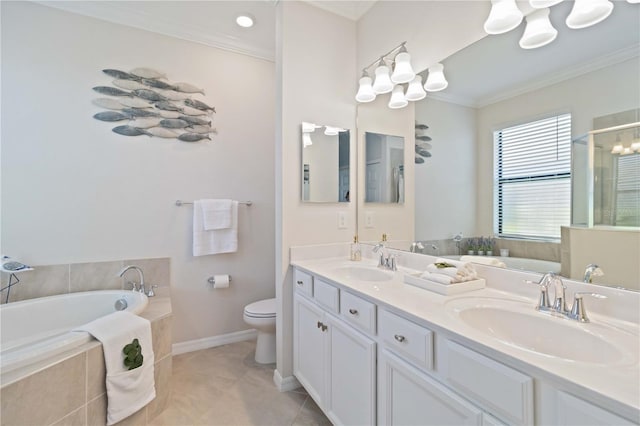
<point x="484" y="260"/>
<point x="447" y="271"/>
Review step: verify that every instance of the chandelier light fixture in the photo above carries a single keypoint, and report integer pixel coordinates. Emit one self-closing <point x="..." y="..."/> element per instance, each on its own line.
<point x="386" y="81"/>
<point x="505" y="16"/>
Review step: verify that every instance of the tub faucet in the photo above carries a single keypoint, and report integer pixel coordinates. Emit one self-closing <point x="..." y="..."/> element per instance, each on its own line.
<point x="592" y="270"/>
<point x="139" y="288"/>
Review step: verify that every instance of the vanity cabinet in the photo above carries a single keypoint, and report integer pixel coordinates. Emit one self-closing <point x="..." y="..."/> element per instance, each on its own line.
<point x="573" y="411"/>
<point x="334" y="362"/>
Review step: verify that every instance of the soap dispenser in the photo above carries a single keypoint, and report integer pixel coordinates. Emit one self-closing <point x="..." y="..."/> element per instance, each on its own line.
<point x="356" y="253"/>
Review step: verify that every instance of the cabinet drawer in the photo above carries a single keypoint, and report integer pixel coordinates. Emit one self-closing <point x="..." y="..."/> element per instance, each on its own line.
<point x="505" y="392"/>
<point x="358" y="312"/>
<point x="326" y="294"/>
<point x="410" y="340"/>
<point x="303" y="282"/>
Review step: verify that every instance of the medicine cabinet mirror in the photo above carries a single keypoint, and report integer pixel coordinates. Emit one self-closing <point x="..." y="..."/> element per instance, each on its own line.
<point x="325" y="164"/>
<point x="384" y="169"/>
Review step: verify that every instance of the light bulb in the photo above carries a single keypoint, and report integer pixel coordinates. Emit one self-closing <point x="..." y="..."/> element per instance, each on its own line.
<point x="382" y="83"/>
<point x="617" y="149"/>
<point x="415" y="91"/>
<point x="397" y="98"/>
<point x="245" y="20"/>
<point x="539" y="31"/>
<point x="504" y="17"/>
<point x="402" y="71"/>
<point x="588" y="12"/>
<point x="436" y="80"/>
<point x="365" y="91"/>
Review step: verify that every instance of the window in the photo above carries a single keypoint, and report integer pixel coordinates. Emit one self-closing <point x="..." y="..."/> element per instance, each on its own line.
<point x="533" y="178"/>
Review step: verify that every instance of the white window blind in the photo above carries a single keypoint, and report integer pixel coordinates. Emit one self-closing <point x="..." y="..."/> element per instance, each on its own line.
<point x="532" y="178"/>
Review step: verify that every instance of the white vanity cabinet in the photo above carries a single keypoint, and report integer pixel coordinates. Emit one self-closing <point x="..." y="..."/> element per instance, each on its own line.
<point x="334" y="362"/>
<point x="573" y="411"/>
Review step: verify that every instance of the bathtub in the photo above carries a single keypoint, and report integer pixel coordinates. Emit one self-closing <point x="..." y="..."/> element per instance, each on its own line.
<point x="36" y="329"/>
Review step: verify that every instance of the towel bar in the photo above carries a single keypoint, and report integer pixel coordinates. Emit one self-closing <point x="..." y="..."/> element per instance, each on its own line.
<point x="181" y="203"/>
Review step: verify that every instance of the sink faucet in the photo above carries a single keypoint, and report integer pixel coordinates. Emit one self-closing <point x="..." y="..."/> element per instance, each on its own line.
<point x="592" y="270"/>
<point x="416" y="247"/>
<point x="135" y="287"/>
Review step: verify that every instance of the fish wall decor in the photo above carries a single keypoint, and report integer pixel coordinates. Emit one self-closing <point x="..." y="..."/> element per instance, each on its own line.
<point x="154" y="106"/>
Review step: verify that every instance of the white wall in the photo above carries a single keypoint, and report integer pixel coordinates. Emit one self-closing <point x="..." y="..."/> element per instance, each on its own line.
<point x="73" y="191"/>
<point x="445" y="193"/>
<point x="316" y="82"/>
<point x="605" y="91"/>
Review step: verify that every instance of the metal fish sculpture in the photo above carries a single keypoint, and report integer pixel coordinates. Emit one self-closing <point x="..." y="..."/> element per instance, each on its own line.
<point x="147" y="73"/>
<point x="172" y="123"/>
<point x="421" y="126"/>
<point x="195" y="120"/>
<point x="419" y="160"/>
<point x="192" y="137"/>
<point x="423" y="138"/>
<point x="120" y="74"/>
<point x="128" y="84"/>
<point x="149" y="95"/>
<point x="145" y="122"/>
<point x="169" y="114"/>
<point x="157" y="84"/>
<point x="167" y="106"/>
<point x="130" y="131"/>
<point x="193" y="111"/>
<point x="423" y="145"/>
<point x="163" y="132"/>
<point x="111" y="91"/>
<point x="424" y="153"/>
<point x="201" y="129"/>
<point x="140" y="112"/>
<point x="173" y="95"/>
<point x="111" y="116"/>
<point x="107" y="103"/>
<point x="199" y="105"/>
<point x="135" y="103"/>
<point x="187" y="88"/>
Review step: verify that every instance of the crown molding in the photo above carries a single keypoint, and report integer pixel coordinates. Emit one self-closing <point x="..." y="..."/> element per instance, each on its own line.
<point x="119" y="13"/>
<point x="353" y="10"/>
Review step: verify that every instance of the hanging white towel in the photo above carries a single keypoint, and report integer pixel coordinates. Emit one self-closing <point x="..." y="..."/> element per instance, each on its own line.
<point x="127" y="390"/>
<point x="215" y="241"/>
<point x="216" y="214"/>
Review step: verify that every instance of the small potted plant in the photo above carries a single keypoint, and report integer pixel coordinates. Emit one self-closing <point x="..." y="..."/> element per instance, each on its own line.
<point x="471" y="246"/>
<point x="481" y="246"/>
<point x="489" y="244"/>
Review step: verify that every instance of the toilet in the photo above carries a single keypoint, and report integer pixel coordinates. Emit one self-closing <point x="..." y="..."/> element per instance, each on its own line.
<point x="261" y="315"/>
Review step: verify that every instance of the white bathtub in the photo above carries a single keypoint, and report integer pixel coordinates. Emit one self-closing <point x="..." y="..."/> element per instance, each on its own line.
<point x="36" y="329"/>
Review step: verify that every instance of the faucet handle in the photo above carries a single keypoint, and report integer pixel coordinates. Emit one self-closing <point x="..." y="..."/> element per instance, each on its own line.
<point x="543" y="302"/>
<point x="133" y="284"/>
<point x="152" y="293"/>
<point x="577" y="310"/>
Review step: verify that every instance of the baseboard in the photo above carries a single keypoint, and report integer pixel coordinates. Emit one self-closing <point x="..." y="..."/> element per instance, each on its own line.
<point x="285" y="384"/>
<point x="213" y="341"/>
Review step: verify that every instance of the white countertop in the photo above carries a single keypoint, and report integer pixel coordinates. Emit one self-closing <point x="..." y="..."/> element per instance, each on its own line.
<point x="616" y="387"/>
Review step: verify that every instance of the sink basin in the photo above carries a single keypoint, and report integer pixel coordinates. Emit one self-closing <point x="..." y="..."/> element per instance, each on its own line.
<point x="363" y="273"/>
<point x="519" y="325"/>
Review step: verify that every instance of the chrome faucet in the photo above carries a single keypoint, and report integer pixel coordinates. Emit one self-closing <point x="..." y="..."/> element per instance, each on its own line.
<point x="135" y="287"/>
<point x="416" y="247"/>
<point x="592" y="270"/>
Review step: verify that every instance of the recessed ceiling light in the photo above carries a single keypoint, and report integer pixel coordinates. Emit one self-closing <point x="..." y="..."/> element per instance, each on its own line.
<point x="245" y="20"/>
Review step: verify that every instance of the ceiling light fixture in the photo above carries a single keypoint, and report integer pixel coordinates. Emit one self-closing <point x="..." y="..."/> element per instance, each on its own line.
<point x="436" y="80"/>
<point x="539" y="31"/>
<point x="415" y="91"/>
<point x="382" y="84"/>
<point x="365" y="90"/>
<point x="402" y="70"/>
<point x="541" y="4"/>
<point x="245" y="20"/>
<point x="586" y="13"/>
<point x="504" y="17"/>
<point x="397" y="98"/>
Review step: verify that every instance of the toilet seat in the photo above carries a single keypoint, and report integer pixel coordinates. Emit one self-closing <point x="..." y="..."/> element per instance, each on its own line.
<point x="261" y="309"/>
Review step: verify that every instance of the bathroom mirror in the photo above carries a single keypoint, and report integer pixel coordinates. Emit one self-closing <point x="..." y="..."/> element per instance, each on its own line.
<point x="384" y="168"/>
<point x="494" y="83"/>
<point x="325" y="164"/>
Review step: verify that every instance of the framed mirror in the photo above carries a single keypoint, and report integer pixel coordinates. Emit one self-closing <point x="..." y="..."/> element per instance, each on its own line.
<point x="384" y="168"/>
<point x="325" y="164"/>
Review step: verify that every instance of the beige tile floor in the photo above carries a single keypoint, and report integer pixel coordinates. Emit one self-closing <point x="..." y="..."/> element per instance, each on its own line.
<point x="225" y="386"/>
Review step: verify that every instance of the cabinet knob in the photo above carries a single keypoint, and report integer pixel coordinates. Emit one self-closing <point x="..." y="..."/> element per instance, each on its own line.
<point x="353" y="311"/>
<point x="324" y="327"/>
<point x="320" y="324"/>
<point x="300" y="283"/>
<point x="399" y="338"/>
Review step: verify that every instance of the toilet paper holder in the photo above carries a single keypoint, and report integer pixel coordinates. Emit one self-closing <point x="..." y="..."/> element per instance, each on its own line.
<point x="212" y="280"/>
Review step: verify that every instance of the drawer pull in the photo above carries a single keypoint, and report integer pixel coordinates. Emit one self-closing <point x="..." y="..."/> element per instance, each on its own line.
<point x="324" y="327"/>
<point x="353" y="311"/>
<point x="300" y="283"/>
<point x="320" y="325"/>
<point x="399" y="338"/>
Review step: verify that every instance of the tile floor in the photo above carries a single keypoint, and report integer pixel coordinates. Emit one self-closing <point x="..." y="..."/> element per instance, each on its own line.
<point x="225" y="386"/>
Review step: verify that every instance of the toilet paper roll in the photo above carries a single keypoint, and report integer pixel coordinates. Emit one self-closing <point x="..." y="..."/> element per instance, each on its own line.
<point x="221" y="281"/>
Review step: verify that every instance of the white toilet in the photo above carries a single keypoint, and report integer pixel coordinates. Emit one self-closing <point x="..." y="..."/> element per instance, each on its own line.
<point x="261" y="315"/>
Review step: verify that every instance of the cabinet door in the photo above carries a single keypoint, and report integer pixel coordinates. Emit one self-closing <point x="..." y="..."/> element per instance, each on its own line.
<point x="308" y="348"/>
<point x="575" y="411"/>
<point x="352" y="375"/>
<point x="407" y="397"/>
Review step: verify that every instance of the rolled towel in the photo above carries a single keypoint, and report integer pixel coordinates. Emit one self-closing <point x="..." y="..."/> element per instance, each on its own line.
<point x="483" y="260"/>
<point x="458" y="274"/>
<point x="439" y="278"/>
<point x="461" y="265"/>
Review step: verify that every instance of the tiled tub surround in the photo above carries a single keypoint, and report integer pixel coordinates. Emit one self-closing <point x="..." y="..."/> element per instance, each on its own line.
<point x="70" y="388"/>
<point x="49" y="280"/>
<point x="612" y="387"/>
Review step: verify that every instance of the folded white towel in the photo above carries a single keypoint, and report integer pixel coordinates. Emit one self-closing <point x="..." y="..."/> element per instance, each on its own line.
<point x="216" y="214"/>
<point x="463" y="266"/>
<point x="214" y="241"/>
<point x="459" y="275"/>
<point x="127" y="390"/>
<point x="484" y="260"/>
<point x="439" y="278"/>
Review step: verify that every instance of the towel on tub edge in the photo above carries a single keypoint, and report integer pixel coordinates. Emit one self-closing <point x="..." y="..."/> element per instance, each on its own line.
<point x="127" y="390"/>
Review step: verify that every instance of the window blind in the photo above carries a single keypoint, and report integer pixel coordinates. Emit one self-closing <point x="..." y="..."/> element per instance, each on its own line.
<point x="532" y="178"/>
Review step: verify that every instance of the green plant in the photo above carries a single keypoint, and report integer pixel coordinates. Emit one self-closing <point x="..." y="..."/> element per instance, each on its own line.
<point x="133" y="355"/>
